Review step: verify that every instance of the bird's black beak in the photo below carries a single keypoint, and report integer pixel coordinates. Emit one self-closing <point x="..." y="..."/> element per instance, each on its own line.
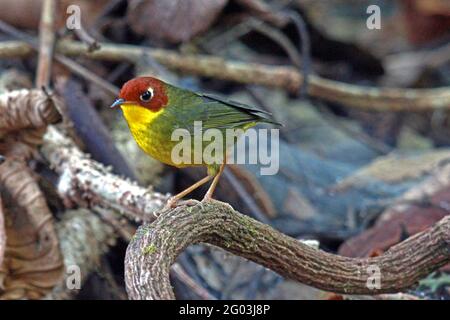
<point x="118" y="102"/>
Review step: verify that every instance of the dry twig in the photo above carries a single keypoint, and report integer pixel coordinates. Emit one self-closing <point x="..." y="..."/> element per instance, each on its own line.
<point x="85" y="37"/>
<point x="46" y="43"/>
<point x="76" y="68"/>
<point x="287" y="78"/>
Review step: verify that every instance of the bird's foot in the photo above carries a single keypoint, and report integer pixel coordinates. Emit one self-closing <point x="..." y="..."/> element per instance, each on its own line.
<point x="207" y="198"/>
<point x="188" y="203"/>
<point x="171" y="203"/>
<point x="174" y="202"/>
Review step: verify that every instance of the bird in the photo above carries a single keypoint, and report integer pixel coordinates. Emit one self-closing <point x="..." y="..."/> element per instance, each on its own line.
<point x="153" y="109"/>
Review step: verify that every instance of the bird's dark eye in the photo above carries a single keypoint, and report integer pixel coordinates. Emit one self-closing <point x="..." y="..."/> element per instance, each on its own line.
<point x="146" y="96"/>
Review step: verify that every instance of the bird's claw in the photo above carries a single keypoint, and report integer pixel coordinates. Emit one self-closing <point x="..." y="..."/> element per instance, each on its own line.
<point x="170" y="204"/>
<point x="188" y="203"/>
<point x="173" y="202"/>
<point x="206" y="198"/>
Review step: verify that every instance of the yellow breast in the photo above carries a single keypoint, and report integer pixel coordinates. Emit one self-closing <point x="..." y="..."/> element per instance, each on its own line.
<point x="145" y="130"/>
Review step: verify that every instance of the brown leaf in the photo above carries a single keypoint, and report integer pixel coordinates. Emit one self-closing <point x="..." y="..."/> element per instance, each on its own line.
<point x="390" y="232"/>
<point x="416" y="210"/>
<point x="24" y="108"/>
<point x="426" y="20"/>
<point x="32" y="264"/>
<point x="395" y="225"/>
<point x="173" y="20"/>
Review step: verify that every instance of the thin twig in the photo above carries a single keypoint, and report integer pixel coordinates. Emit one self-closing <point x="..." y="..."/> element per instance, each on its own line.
<point x="220" y="42"/>
<point x="84" y="36"/>
<point x="306" y="47"/>
<point x="287" y="78"/>
<point x="72" y="65"/>
<point x="46" y="43"/>
<point x="245" y="196"/>
<point x="182" y="275"/>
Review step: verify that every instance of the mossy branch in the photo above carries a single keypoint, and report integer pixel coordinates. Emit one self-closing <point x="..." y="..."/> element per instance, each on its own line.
<point x="156" y="246"/>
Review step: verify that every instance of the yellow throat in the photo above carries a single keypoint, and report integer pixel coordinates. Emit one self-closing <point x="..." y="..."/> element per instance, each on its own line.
<point x="137" y="115"/>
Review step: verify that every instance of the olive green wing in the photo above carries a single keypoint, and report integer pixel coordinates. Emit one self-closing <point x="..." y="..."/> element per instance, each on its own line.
<point x="213" y="111"/>
<point x="218" y="113"/>
<point x="222" y="110"/>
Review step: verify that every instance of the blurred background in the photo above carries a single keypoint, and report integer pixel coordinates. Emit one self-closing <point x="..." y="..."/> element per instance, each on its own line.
<point x="357" y="179"/>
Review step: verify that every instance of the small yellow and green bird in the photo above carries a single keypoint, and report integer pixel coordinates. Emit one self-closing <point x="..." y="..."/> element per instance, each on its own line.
<point x="153" y="109"/>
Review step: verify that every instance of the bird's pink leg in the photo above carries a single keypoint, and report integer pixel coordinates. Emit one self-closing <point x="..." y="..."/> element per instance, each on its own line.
<point x="174" y="199"/>
<point x="212" y="187"/>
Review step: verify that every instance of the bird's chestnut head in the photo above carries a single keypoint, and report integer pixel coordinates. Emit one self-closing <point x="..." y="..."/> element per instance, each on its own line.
<point x="147" y="92"/>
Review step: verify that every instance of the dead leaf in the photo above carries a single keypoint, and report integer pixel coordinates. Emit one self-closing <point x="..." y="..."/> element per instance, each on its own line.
<point x="395" y="168"/>
<point x="173" y="20"/>
<point x="426" y="20"/>
<point x="22" y="109"/>
<point x="387" y="233"/>
<point x="32" y="264"/>
<point x="417" y="209"/>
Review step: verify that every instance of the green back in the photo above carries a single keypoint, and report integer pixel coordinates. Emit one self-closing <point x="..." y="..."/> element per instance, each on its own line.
<point x="187" y="106"/>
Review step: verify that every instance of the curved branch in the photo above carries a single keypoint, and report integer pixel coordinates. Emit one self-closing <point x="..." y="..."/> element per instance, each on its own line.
<point x="157" y="245"/>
